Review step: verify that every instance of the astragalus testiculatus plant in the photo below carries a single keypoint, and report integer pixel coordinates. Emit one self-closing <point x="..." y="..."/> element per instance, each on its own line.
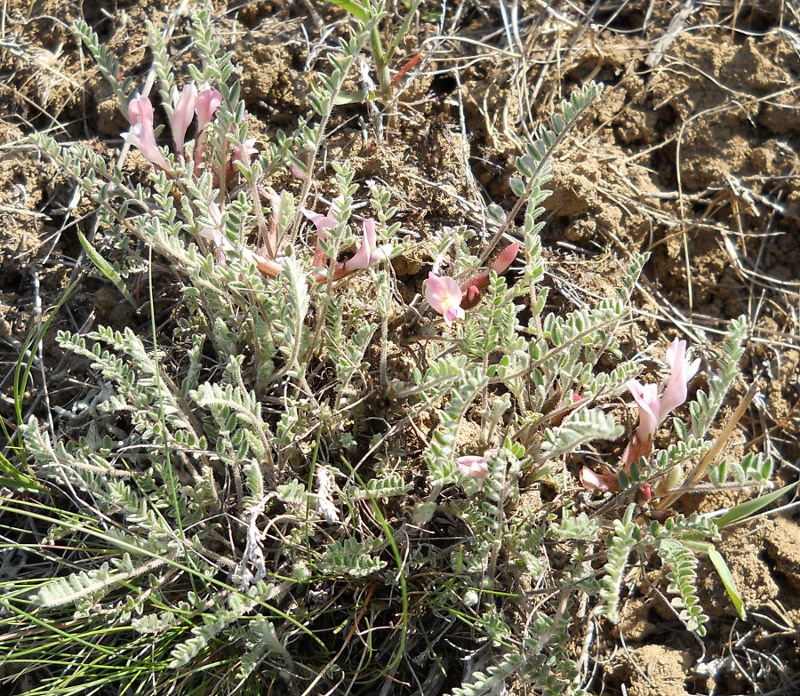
<point x="318" y="484"/>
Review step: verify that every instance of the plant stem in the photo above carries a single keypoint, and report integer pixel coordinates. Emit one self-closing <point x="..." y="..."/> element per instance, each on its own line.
<point x="381" y="64"/>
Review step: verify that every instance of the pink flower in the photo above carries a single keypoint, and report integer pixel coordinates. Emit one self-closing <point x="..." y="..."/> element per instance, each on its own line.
<point x="681" y="372"/>
<point x="505" y="258"/>
<point x="473" y="466"/>
<point x="141" y="135"/>
<point x="368" y="253"/>
<point x="205" y="105"/>
<point x="444" y="296"/>
<point x="470" y="295"/>
<point x="471" y="289"/>
<point x="182" y="115"/>
<point x="592" y="481"/>
<point x="653" y="410"/>
<point x="323" y="223"/>
<point x="646" y="398"/>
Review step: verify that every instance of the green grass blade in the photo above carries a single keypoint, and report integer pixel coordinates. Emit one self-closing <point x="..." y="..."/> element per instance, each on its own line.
<point x="23" y="366"/>
<point x="403" y="30"/>
<point x="398" y="558"/>
<point x="751" y="507"/>
<point x="727" y="580"/>
<point x="11" y="477"/>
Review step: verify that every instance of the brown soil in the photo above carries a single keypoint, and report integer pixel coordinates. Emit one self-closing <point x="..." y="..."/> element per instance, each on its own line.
<point x="691" y="153"/>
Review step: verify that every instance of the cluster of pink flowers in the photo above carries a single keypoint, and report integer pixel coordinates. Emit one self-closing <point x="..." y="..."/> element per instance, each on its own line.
<point x="368" y="253"/>
<point x="653" y="411"/>
<point x="450" y="299"/>
<point x="188" y="104"/>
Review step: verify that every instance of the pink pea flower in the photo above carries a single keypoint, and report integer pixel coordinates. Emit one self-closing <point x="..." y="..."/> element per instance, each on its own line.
<point x="182" y="115"/>
<point x="470" y="296"/>
<point x="592" y="481"/>
<point x="205" y="105"/>
<point x="471" y="289"/>
<point x="646" y="397"/>
<point x="473" y="466"/>
<point x="681" y="371"/>
<point x="323" y="223"/>
<point x="654" y="409"/>
<point x="444" y="296"/>
<point x="505" y="258"/>
<point x="141" y="135"/>
<point x="650" y="416"/>
<point x="207" y="102"/>
<point x="368" y="253"/>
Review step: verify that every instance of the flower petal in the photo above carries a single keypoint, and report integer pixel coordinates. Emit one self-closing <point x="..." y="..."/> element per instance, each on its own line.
<point x="592" y="481"/>
<point x="321" y="222"/>
<point x="505" y="258"/>
<point x="141" y="135"/>
<point x="646" y="397"/>
<point x="444" y="296"/>
<point x="473" y="466"/>
<point x="207" y="102"/>
<point x="681" y="371"/>
<point x="182" y="115"/>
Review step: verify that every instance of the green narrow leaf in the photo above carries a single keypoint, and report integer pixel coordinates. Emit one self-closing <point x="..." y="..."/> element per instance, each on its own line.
<point x="751" y="507"/>
<point x="16" y="480"/>
<point x="106" y="268"/>
<point x="353" y="8"/>
<point x="727" y="580"/>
